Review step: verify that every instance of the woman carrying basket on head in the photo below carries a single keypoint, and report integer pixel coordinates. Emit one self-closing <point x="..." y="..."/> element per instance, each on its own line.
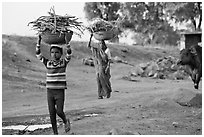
<point x="102" y="58"/>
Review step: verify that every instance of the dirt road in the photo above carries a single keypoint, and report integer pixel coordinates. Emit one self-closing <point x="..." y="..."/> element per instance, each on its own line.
<point x="147" y="107"/>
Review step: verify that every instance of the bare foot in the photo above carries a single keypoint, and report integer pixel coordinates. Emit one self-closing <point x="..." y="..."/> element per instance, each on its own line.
<point x="67" y="126"/>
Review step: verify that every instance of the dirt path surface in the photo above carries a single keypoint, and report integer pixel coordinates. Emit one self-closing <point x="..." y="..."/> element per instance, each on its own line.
<point x="144" y="106"/>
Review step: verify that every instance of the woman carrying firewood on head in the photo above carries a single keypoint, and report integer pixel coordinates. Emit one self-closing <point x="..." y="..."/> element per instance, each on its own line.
<point x="102" y="58"/>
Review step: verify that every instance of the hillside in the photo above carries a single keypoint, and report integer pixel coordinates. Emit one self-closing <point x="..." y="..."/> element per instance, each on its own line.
<point x="144" y="105"/>
<point x="18" y="55"/>
<point x="19" y="63"/>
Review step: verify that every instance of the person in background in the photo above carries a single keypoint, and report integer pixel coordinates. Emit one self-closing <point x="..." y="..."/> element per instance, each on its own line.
<point x="56" y="81"/>
<point x="102" y="58"/>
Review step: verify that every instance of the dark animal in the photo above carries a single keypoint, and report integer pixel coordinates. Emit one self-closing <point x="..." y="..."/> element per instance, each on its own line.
<point x="192" y="57"/>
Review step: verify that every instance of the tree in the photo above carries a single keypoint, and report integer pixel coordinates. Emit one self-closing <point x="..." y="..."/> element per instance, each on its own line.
<point x="133" y="13"/>
<point x="148" y="19"/>
<point x="186" y="11"/>
<point x="92" y="10"/>
<point x="105" y="10"/>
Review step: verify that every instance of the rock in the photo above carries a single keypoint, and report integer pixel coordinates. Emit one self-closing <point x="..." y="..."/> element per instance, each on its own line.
<point x="162" y="68"/>
<point x="143" y="65"/>
<point x="28" y="60"/>
<point x="151" y="69"/>
<point x="78" y="118"/>
<point x="116" y="131"/>
<point x="186" y="97"/>
<point x="174" y="67"/>
<point x="196" y="101"/>
<point x="151" y="73"/>
<point x="88" y="61"/>
<point x="117" y="59"/>
<point x="159" y="75"/>
<point x="166" y="62"/>
<point x="175" y="124"/>
<point x="159" y="60"/>
<point x="176" y="76"/>
<point x="137" y="71"/>
<point x="124" y="50"/>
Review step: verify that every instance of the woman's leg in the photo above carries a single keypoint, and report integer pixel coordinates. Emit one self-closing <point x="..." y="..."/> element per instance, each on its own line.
<point x="52" y="110"/>
<point x="105" y="83"/>
<point x="109" y="83"/>
<point x="100" y="96"/>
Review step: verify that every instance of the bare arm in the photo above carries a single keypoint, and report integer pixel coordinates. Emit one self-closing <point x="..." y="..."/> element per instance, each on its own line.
<point x="68" y="53"/>
<point x="89" y="44"/>
<point x="68" y="48"/>
<point x="38" y="51"/>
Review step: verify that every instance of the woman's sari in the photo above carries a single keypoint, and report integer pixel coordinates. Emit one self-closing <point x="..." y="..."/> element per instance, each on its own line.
<point x="103" y="78"/>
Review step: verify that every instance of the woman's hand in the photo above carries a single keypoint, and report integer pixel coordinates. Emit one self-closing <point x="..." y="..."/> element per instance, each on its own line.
<point x="69" y="50"/>
<point x="67" y="36"/>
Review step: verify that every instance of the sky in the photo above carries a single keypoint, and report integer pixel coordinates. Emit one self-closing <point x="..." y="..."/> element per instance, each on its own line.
<point x="17" y="15"/>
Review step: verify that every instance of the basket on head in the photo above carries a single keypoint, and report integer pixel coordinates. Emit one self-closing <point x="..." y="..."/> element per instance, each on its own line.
<point x="105" y="35"/>
<point x="55" y="38"/>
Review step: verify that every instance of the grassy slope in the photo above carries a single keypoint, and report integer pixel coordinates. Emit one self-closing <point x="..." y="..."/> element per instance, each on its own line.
<point x="18" y="55"/>
<point x="25" y="47"/>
